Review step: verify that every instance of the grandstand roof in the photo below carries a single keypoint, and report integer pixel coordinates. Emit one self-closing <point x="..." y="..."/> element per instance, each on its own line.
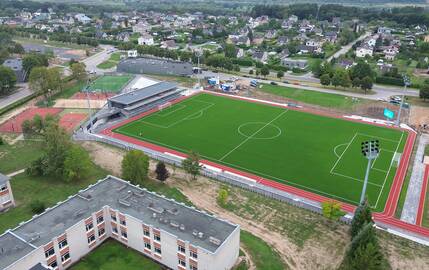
<point x="143" y="93"/>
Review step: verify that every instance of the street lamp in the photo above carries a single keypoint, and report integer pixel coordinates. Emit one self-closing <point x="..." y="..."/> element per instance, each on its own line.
<point x="370" y="150"/>
<point x="406" y="83"/>
<point x="86" y="90"/>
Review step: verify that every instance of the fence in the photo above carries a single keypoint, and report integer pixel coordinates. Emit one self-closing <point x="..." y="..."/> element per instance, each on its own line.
<point x="248" y="185"/>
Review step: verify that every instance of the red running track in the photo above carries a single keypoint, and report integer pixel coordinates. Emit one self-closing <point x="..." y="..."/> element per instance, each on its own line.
<point x="14" y="124"/>
<point x="386" y="217"/>
<point x="70" y="121"/>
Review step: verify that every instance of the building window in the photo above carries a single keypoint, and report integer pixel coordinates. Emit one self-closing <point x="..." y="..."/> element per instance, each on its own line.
<point x="157" y="237"/>
<point x="62" y="244"/>
<point x="182" y="263"/>
<point x="3" y="188"/>
<point x="113" y="217"/>
<point x="91" y="239"/>
<point x="100" y="219"/>
<point x="124" y="234"/>
<point x="157" y="250"/>
<point x="147" y="245"/>
<point x="181" y="249"/>
<point x="89" y="226"/>
<point x="193" y="254"/>
<point x="123" y="222"/>
<point x="65" y="257"/>
<point x="49" y="252"/>
<point x="115" y="230"/>
<point x="193" y="267"/>
<point x="54" y="264"/>
<point x="146" y="232"/>
<point x="101" y="231"/>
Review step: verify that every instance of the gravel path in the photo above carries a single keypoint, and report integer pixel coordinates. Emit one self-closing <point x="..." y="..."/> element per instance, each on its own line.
<point x="411" y="205"/>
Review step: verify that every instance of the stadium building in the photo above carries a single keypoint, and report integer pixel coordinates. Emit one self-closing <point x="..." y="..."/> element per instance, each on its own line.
<point x="175" y="235"/>
<point x="152" y="65"/>
<point x="6" y="196"/>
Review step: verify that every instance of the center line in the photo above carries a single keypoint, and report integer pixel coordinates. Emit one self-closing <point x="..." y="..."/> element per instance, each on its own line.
<point x="250" y="137"/>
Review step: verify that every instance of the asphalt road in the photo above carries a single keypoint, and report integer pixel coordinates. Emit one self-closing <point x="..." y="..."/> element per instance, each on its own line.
<point x="22" y="92"/>
<point x="92" y="61"/>
<point x="347" y="47"/>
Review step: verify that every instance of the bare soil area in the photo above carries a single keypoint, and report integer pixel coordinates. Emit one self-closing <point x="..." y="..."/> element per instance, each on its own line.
<point x="304" y="240"/>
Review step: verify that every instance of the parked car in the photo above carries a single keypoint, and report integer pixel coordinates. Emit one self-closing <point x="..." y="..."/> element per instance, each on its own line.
<point x="273" y="83"/>
<point x="286" y="82"/>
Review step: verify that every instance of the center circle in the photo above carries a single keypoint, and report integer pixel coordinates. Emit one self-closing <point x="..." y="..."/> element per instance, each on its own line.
<point x="259" y="130"/>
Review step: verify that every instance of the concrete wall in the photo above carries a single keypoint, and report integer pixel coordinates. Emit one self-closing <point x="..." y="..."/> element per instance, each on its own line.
<point x="33" y="258"/>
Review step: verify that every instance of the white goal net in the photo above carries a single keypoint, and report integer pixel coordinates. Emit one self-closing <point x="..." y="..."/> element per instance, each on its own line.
<point x="164" y="106"/>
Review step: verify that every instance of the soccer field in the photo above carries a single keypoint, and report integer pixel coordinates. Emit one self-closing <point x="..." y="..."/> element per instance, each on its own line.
<point x="108" y="83"/>
<point x="311" y="152"/>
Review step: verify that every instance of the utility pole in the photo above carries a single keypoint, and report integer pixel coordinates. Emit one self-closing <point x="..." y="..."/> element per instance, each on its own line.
<point x="406" y="83"/>
<point x="86" y="90"/>
<point x="370" y="149"/>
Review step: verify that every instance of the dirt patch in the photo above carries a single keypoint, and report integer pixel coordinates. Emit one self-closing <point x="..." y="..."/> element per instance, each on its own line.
<point x="419" y="116"/>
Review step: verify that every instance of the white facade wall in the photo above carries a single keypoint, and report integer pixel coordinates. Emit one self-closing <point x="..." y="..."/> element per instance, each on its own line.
<point x="33" y="258"/>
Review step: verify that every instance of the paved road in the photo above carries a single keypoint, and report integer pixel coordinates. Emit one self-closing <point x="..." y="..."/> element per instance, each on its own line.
<point x="347" y="47"/>
<point x="92" y="61"/>
<point x="23" y="92"/>
<point x="412" y="199"/>
<point x="380" y="92"/>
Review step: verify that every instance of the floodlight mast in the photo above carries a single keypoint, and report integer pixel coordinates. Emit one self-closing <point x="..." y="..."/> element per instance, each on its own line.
<point x="86" y="90"/>
<point x="370" y="149"/>
<point x="406" y="83"/>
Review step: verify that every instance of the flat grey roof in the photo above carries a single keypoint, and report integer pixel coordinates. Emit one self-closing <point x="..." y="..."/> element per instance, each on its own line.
<point x="11" y="249"/>
<point x="14" y="64"/>
<point x="3" y="179"/>
<point x="152" y="209"/>
<point x="141" y="94"/>
<point x="39" y="266"/>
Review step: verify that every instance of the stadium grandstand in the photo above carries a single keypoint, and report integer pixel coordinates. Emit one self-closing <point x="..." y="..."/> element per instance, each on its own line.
<point x="131" y="103"/>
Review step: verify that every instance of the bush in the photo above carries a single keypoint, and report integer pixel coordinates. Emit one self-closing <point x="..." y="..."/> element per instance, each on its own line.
<point x="1" y="141"/>
<point x="37" y="207"/>
<point x="222" y="197"/>
<point x="389" y="81"/>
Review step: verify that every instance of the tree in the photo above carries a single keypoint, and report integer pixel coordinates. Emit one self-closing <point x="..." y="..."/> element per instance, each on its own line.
<point x="230" y="51"/>
<point x="43" y="80"/>
<point x="77" y="164"/>
<point x="364" y="252"/>
<point x="251" y="72"/>
<point x="135" y="167"/>
<point x="161" y="171"/>
<point x="341" y="78"/>
<point x="325" y="79"/>
<point x="356" y="82"/>
<point x="424" y="92"/>
<point x="265" y="71"/>
<point x="361" y="70"/>
<point x="78" y="71"/>
<point x="366" y="84"/>
<point x="34" y="60"/>
<point x="336" y="79"/>
<point x="332" y="210"/>
<point x="191" y="164"/>
<point x="280" y="74"/>
<point x="7" y="80"/>
<point x="222" y="196"/>
<point x="361" y="217"/>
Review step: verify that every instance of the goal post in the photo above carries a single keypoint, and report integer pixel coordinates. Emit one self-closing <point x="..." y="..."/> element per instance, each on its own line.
<point x="164" y="106"/>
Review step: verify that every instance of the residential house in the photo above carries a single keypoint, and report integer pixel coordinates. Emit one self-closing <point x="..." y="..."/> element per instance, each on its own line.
<point x="239" y="52"/>
<point x="132" y="53"/>
<point x="293" y="18"/>
<point x="294" y="63"/>
<point x="16" y="65"/>
<point x="82" y="18"/>
<point x="282" y="40"/>
<point x="331" y="36"/>
<point x="390" y="52"/>
<point x="364" y="51"/>
<point x="271" y="34"/>
<point x="145" y="39"/>
<point x="346" y="63"/>
<point x="260" y="56"/>
<point x="123" y="36"/>
<point x="169" y="44"/>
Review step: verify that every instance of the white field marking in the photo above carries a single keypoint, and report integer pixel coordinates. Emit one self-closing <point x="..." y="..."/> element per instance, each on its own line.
<point x="375" y="160"/>
<point x="335" y="149"/>
<point x="180" y="120"/>
<point x="380" y="170"/>
<point x="339" y="158"/>
<point x="268" y="138"/>
<point x="249" y="170"/>
<point x="355" y="179"/>
<point x="377" y="137"/>
<point x="250" y="137"/>
<point x="388" y="171"/>
<point x="180" y="107"/>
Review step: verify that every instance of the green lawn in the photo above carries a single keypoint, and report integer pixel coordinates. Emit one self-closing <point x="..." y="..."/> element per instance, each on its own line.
<point x="312" y="97"/>
<point x="109" y="83"/>
<point x="112" y="255"/>
<point x="18" y="156"/>
<point x="311" y="152"/>
<point x="111" y="62"/>
<point x="27" y="189"/>
<point x="263" y="255"/>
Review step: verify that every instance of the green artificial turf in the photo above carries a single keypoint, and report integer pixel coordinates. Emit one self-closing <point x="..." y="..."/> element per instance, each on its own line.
<point x="112" y="255"/>
<point x="307" y="151"/>
<point x="312" y="97"/>
<point x="110" y="83"/>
